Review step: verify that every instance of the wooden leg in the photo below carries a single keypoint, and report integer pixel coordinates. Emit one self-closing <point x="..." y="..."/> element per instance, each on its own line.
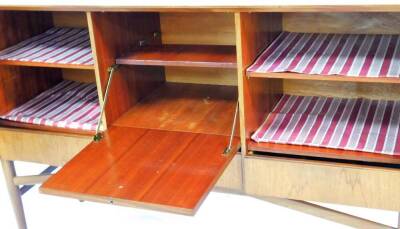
<point x="398" y="221"/>
<point x="13" y="190"/>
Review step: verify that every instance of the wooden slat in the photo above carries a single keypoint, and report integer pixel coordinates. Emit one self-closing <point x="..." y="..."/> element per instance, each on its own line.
<point x="323" y="152"/>
<point x="297" y="76"/>
<point x="185" y="107"/>
<point x="166" y="170"/>
<point x="217" y="56"/>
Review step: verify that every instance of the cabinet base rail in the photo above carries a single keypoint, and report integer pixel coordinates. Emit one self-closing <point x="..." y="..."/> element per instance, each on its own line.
<point x="326" y="213"/>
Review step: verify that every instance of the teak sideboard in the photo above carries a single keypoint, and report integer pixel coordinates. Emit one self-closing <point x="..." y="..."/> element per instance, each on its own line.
<point x="155" y="107"/>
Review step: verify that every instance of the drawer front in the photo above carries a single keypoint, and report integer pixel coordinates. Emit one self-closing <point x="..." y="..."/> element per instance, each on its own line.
<point x="38" y="146"/>
<point x="329" y="182"/>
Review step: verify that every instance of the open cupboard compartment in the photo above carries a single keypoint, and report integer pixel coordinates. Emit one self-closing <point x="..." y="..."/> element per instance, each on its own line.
<point x="168" y="135"/>
<point x="325" y="85"/>
<point x="47" y="73"/>
<point x="312" y="172"/>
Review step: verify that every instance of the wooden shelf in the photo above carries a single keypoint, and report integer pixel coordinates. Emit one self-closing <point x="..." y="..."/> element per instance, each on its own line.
<point x="163" y="170"/>
<point x="322" y="152"/>
<point x="214" y="56"/>
<point x="185" y="107"/>
<point x="332" y="57"/>
<point x="55" y="48"/>
<point x="300" y="76"/>
<point x="46" y="65"/>
<point x="68" y="107"/>
<point x="356" y="129"/>
<point x="28" y="126"/>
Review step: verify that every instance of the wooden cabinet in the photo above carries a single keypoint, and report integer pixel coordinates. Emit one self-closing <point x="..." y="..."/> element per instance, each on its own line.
<point x="317" y="90"/>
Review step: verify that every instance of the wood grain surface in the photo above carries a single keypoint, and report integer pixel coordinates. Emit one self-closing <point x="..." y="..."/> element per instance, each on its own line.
<point x="185" y="107"/>
<point x="165" y="170"/>
<point x="217" y="56"/>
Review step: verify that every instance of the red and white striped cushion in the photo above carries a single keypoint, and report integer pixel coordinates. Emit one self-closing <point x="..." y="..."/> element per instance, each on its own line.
<point x="339" y="123"/>
<point x="332" y="54"/>
<point x="69" y="104"/>
<point x="56" y="45"/>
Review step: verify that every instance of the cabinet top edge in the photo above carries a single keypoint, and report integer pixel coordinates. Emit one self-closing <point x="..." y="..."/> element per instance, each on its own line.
<point x="132" y="7"/>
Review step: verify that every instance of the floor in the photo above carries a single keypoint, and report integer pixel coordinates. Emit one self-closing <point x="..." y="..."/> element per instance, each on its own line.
<point x="219" y="210"/>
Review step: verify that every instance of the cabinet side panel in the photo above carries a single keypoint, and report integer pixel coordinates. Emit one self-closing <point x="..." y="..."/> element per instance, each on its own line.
<point x="255" y="31"/>
<point x="114" y="35"/>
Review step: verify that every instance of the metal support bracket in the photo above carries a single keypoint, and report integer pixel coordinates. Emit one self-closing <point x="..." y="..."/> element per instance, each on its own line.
<point x="228" y="149"/>
<point x="98" y="136"/>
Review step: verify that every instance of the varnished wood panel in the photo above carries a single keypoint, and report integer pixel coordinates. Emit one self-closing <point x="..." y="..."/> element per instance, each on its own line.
<point x="231" y="179"/>
<point x="29" y="126"/>
<point x="212" y="56"/>
<point x="353" y="23"/>
<point x="314" y="77"/>
<point x="174" y="6"/>
<point x="198" y="28"/>
<point x="19" y="84"/>
<point x="70" y="19"/>
<point x="117" y="34"/>
<point x="185" y="107"/>
<point x="39" y="146"/>
<point x="342" y="89"/>
<point x="257" y="97"/>
<point x="323" y="152"/>
<point x="173" y="174"/>
<point x="363" y="186"/>
<point x="45" y="65"/>
<point x="215" y="76"/>
<point x="79" y="75"/>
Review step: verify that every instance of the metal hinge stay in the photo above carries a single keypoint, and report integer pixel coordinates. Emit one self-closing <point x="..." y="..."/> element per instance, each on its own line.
<point x="228" y="149"/>
<point x="98" y="136"/>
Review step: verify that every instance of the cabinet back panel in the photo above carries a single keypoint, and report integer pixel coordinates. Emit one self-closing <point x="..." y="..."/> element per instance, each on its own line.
<point x="84" y="76"/>
<point x="342" y="89"/>
<point x="215" y="76"/>
<point x="199" y="28"/>
<point x="70" y="19"/>
<point x="355" y="23"/>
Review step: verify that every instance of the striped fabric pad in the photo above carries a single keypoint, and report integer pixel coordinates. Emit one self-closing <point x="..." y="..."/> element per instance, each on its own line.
<point x="69" y="104"/>
<point x="332" y="54"/>
<point x="350" y="124"/>
<point x="56" y="45"/>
